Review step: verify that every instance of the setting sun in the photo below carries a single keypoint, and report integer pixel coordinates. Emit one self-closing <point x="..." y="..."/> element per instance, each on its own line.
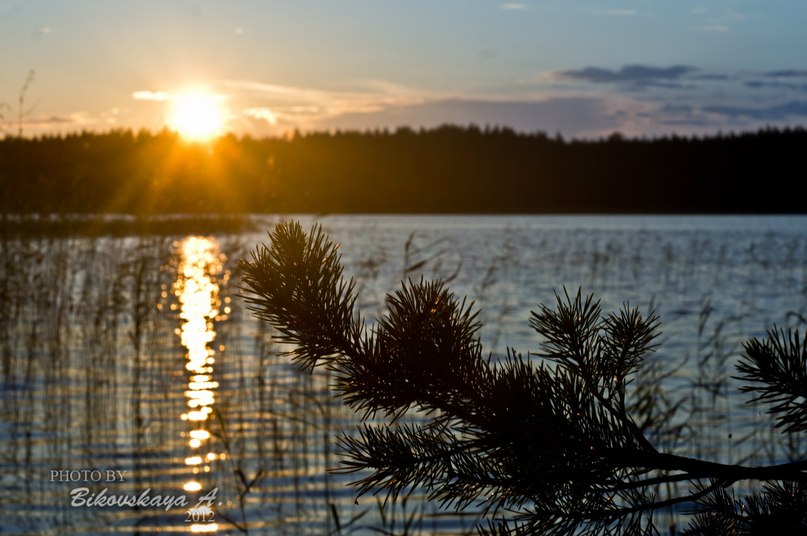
<point x="197" y="116"/>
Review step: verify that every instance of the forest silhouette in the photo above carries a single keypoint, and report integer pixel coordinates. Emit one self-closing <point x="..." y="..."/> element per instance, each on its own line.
<point x="448" y="169"/>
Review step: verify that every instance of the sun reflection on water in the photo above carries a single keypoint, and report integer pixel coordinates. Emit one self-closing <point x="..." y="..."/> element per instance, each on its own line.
<point x="197" y="291"/>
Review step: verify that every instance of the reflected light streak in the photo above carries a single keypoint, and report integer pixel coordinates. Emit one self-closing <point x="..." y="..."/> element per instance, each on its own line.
<point x="200" y="434"/>
<point x="197" y="291"/>
<point x="207" y="527"/>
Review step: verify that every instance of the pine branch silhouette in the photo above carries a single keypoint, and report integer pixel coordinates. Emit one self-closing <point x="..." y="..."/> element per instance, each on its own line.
<point x="546" y="448"/>
<point x="776" y="368"/>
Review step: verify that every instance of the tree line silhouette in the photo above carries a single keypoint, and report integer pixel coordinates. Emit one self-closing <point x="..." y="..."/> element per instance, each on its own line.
<point x="448" y="169"/>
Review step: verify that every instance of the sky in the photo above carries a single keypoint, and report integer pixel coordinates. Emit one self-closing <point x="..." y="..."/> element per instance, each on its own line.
<point x="583" y="68"/>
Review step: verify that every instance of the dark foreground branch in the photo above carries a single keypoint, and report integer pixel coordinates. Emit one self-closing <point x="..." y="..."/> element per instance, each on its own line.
<point x="554" y="444"/>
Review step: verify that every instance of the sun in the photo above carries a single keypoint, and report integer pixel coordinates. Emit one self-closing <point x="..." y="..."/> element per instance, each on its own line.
<point x="197" y="115"/>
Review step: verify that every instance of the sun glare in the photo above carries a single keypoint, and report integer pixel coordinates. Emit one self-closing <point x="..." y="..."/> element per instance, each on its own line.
<point x="197" y="115"/>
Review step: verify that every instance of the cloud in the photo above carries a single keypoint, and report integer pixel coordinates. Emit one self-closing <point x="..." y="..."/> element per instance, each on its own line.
<point x="621" y="12"/>
<point x="512" y="6"/>
<point x="713" y="28"/>
<point x="253" y="88"/>
<point x="52" y="120"/>
<point x="151" y="95"/>
<point x="69" y="122"/>
<point x="711" y="77"/>
<point x="299" y="106"/>
<point x="718" y="21"/>
<point x="635" y="75"/>
<point x="162" y="96"/>
<point x="794" y="80"/>
<point x="696" y="118"/>
<point x="40" y="32"/>
<point x="778" y="112"/>
<point x="790" y="86"/>
<point x="675" y="115"/>
<point x="263" y="114"/>
<point x="788" y="73"/>
<point x="680" y="109"/>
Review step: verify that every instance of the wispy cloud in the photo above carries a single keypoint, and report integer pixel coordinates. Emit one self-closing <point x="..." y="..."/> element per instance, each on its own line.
<point x="68" y="122"/>
<point x="692" y="118"/>
<point x="262" y="114"/>
<point x="278" y="107"/>
<point x="513" y="6"/>
<point x="784" y="80"/>
<point x="621" y="12"/>
<point x="41" y="32"/>
<point x="637" y="75"/>
<point x="717" y="21"/>
<point x="713" y="28"/>
<point x="675" y="115"/>
<point x="770" y="113"/>
<point x="787" y="86"/>
<point x="151" y="95"/>
<point x="713" y="100"/>
<point x="266" y="88"/>
<point x="787" y="73"/>
<point x="52" y="120"/>
<point x="710" y="77"/>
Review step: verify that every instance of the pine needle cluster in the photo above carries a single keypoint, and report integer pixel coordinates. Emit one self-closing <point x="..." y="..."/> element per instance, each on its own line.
<point x="540" y="444"/>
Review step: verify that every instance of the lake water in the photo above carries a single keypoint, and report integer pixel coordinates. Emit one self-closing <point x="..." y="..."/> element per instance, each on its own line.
<point x="132" y="373"/>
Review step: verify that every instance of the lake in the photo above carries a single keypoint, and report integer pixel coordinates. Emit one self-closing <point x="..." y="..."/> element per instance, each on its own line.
<point x="140" y="396"/>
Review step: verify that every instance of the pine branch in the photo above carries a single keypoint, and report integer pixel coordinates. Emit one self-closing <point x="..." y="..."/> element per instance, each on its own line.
<point x="601" y="351"/>
<point x="297" y="286"/>
<point x="776" y="368"/>
<point x="553" y="443"/>
<point x="780" y="509"/>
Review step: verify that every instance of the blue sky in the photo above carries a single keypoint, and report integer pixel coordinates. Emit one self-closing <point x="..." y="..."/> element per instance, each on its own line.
<point x="583" y="68"/>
